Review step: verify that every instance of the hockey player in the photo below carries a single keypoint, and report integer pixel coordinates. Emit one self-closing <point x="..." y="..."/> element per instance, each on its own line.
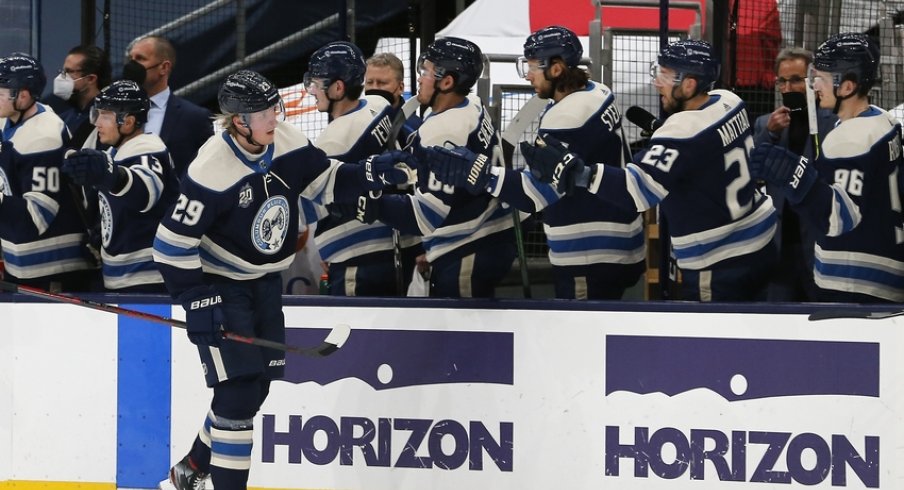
<point x="596" y="251"/>
<point x="850" y="195"/>
<point x="135" y="183"/>
<point x="721" y="227"/>
<point x="359" y="255"/>
<point x="221" y="249"/>
<point x="42" y="237"/>
<point x="468" y="239"/>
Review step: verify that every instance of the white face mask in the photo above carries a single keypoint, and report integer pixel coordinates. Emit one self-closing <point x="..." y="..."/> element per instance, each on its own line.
<point x="63" y="86"/>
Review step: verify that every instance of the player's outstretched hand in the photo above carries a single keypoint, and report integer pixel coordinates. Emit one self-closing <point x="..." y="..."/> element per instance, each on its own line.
<point x="387" y="169"/>
<point x="551" y="162"/>
<point x="203" y="316"/>
<point x="91" y="167"/>
<point x="460" y="167"/>
<point x="777" y="165"/>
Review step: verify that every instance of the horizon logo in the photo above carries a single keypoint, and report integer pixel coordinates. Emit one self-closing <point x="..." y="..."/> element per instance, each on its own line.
<point x="739" y="370"/>
<point x="389" y="442"/>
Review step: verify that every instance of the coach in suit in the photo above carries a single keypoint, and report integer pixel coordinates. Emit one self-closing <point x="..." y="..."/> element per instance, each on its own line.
<point x="182" y="125"/>
<point x="788" y="127"/>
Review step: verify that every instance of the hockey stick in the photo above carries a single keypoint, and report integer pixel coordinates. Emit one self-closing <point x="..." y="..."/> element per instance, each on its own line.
<point x="405" y="112"/>
<point x="852" y="314"/>
<point x="513" y="131"/>
<point x="811" y="119"/>
<point x="336" y="338"/>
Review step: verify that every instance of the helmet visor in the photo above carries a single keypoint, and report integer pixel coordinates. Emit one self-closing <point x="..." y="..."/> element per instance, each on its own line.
<point x="266" y="119"/>
<point x="312" y="83"/>
<point x="102" y="115"/>
<point x="527" y="66"/>
<point x="663" y="77"/>
<point x="817" y="79"/>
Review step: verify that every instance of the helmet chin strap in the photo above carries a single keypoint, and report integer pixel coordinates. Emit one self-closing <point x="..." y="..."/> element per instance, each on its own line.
<point x="22" y="111"/>
<point x="839" y="99"/>
<point x="250" y="136"/>
<point x="122" y="135"/>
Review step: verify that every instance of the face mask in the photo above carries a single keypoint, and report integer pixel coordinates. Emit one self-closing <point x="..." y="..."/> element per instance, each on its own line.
<point x="63" y="86"/>
<point x="134" y="71"/>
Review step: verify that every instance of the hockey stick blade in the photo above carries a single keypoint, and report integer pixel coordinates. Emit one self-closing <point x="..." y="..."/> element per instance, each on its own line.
<point x="333" y="341"/>
<point x="852" y="314"/>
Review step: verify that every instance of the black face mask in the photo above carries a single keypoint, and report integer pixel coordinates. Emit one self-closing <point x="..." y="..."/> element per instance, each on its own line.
<point x="798" y="129"/>
<point x="134" y="71"/>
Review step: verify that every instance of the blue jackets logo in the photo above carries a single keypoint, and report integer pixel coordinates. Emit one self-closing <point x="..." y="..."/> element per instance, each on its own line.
<point x="740" y="370"/>
<point x="271" y="225"/>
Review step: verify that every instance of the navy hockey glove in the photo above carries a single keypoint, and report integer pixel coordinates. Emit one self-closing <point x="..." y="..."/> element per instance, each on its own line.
<point x="777" y="165"/>
<point x="367" y="210"/>
<point x="460" y="167"/>
<point x="92" y="167"/>
<point x="203" y="315"/>
<point x="387" y="169"/>
<point x="551" y="162"/>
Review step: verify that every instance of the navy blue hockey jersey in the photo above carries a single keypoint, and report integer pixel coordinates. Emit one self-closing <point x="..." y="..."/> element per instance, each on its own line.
<point x="579" y="229"/>
<point x="129" y="218"/>
<point x="236" y="210"/>
<point x="856" y="206"/>
<point x="696" y="170"/>
<point x="41" y="233"/>
<point x="447" y="217"/>
<point x="352" y="137"/>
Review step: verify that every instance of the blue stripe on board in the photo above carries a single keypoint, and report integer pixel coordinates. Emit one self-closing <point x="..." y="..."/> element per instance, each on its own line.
<point x="144" y="385"/>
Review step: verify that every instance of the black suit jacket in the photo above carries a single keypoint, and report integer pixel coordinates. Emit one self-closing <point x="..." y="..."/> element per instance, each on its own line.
<point x="185" y="128"/>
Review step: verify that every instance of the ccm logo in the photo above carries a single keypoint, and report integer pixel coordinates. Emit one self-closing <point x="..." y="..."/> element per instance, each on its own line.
<point x="204" y="303"/>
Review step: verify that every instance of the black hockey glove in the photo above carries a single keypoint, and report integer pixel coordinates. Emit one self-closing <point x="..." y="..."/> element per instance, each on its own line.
<point x="203" y="316"/>
<point x="368" y="209"/>
<point x="551" y="162"/>
<point x="387" y="169"/>
<point x="460" y="167"/>
<point x="92" y="167"/>
<point x="777" y="165"/>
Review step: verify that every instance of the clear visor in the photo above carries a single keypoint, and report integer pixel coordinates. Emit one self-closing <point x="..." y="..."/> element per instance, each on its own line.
<point x="818" y="79"/>
<point x="526" y="66"/>
<point x="660" y="78"/>
<point x="101" y="115"/>
<point x="266" y="119"/>
<point x="312" y="83"/>
<point x="423" y="71"/>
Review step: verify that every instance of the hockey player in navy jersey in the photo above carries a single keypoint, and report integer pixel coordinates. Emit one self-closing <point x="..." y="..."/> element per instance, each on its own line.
<point x="596" y="251"/>
<point x="134" y="181"/>
<point x="42" y="237"/>
<point x="221" y="248"/>
<point x="359" y="255"/>
<point x="721" y="227"/>
<point x="468" y="239"/>
<point x="850" y="195"/>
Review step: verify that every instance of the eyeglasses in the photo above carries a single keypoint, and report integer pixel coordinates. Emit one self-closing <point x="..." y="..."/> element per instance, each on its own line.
<point x="795" y="80"/>
<point x="70" y="74"/>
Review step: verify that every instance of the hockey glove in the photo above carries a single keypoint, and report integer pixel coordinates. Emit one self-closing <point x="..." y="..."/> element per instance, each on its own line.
<point x="460" y="167"/>
<point x="368" y="210"/>
<point x="387" y="169"/>
<point x="92" y="167"/>
<point x="777" y="165"/>
<point x="203" y="315"/>
<point x="551" y="162"/>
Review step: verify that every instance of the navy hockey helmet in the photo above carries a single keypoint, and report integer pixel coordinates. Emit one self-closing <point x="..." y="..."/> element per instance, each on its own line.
<point x="246" y="92"/>
<point x="124" y="97"/>
<point x="849" y="56"/>
<point x="457" y="57"/>
<point x="19" y="71"/>
<point x="339" y="60"/>
<point x="691" y="57"/>
<point x="554" y="41"/>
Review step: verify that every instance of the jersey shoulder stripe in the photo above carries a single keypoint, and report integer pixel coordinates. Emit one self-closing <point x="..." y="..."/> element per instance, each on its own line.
<point x="143" y="144"/>
<point x="688" y="124"/>
<point x="856" y="136"/>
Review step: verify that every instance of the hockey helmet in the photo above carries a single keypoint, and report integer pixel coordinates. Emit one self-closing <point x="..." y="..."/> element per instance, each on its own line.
<point x="123" y="97"/>
<point x="246" y="92"/>
<point x="457" y="57"/>
<point x="849" y="56"/>
<point x="19" y="71"/>
<point x="554" y="41"/>
<point x="339" y="60"/>
<point x="691" y="57"/>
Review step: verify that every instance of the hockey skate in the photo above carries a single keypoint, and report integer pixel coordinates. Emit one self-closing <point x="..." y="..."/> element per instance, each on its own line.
<point x="183" y="477"/>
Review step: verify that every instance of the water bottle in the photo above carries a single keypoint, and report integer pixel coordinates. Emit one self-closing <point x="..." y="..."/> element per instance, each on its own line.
<point x="324" y="284"/>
